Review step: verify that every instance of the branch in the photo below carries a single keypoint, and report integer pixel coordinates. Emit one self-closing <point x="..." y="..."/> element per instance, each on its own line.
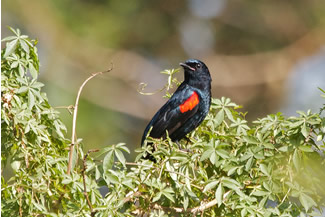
<point x="131" y="194"/>
<point x="194" y="210"/>
<point x="84" y="181"/>
<point x="204" y="206"/>
<point x="69" y="108"/>
<point x="75" y="112"/>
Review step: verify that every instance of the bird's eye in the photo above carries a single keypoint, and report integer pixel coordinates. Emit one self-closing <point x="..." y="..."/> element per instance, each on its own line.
<point x="198" y="65"/>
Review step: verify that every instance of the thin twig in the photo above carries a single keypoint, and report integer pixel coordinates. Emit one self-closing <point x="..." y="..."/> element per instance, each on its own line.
<point x="20" y="207"/>
<point x="75" y="112"/>
<point x="285" y="196"/>
<point x="69" y="108"/>
<point x="20" y="190"/>
<point x="84" y="181"/>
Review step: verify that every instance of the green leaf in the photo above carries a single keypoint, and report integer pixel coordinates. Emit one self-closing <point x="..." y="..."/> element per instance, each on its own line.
<point x="306" y="148"/>
<point x="120" y="156"/>
<point x="284" y="148"/>
<point x="213" y="158"/>
<point x="249" y="164"/>
<point x="98" y="174"/>
<point x="74" y="158"/>
<point x="22" y="89"/>
<point x="210" y="185"/>
<point x="67" y="181"/>
<point x="243" y="212"/>
<point x="206" y="154"/>
<point x="10" y="48"/>
<point x="31" y="100"/>
<point x="108" y="161"/>
<point x="24" y="46"/>
<point x="15" y="165"/>
<point x="167" y="192"/>
<point x="229" y="115"/>
<point x="219" y="194"/>
<point x="306" y="201"/>
<point x="9" y="38"/>
<point x="32" y="71"/>
<point x="230" y="183"/>
<point x="37" y="85"/>
<point x="305" y="130"/>
<point x="122" y="146"/>
<point x="250" y="140"/>
<point x="268" y="145"/>
<point x="264" y="169"/>
<point x="319" y="137"/>
<point x="111" y="178"/>
<point x="296" y="124"/>
<point x="157" y="197"/>
<point x="296" y="160"/>
<point x="171" y="169"/>
<point x="21" y="70"/>
<point x="222" y="153"/>
<point x="185" y="202"/>
<point x="219" y="118"/>
<point x="260" y="193"/>
<point x="232" y="171"/>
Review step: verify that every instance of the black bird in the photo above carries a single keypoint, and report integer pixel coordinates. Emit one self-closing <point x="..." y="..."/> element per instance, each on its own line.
<point x="188" y="106"/>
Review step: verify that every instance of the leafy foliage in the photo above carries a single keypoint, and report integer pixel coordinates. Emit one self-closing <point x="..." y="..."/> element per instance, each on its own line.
<point x="272" y="167"/>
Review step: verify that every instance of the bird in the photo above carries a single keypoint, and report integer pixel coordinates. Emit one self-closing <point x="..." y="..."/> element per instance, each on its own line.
<point x="187" y="107"/>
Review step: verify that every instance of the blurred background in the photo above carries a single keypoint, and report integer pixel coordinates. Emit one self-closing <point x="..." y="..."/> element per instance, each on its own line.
<point x="268" y="56"/>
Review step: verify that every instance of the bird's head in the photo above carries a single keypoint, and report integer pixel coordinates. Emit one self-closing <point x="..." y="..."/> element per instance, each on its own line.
<point x="195" y="69"/>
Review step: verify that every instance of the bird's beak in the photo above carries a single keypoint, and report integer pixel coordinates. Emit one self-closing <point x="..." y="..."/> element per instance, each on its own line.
<point x="186" y="66"/>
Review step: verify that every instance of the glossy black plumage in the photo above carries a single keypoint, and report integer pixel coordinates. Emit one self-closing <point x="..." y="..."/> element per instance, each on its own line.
<point x="185" y="110"/>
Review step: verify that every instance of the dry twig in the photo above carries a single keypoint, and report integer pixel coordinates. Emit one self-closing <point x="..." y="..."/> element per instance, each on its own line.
<point x="75" y="112"/>
<point x="194" y="211"/>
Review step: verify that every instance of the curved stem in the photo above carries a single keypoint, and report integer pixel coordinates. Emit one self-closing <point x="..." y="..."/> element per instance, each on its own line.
<point x="75" y="112"/>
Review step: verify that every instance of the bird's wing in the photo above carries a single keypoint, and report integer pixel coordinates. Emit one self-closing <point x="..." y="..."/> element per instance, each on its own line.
<point x="177" y="110"/>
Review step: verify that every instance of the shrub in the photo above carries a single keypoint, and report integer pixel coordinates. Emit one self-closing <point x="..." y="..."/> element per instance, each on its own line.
<point x="272" y="167"/>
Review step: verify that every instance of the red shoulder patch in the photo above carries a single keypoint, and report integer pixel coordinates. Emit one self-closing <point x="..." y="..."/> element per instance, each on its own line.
<point x="190" y="103"/>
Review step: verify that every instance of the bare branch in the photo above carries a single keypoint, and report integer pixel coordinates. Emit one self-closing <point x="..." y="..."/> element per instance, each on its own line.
<point x="195" y="210"/>
<point x="69" y="108"/>
<point x="204" y="206"/>
<point x="75" y="112"/>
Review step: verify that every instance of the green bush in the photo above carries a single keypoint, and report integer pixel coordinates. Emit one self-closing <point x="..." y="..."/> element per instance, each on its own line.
<point x="272" y="167"/>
